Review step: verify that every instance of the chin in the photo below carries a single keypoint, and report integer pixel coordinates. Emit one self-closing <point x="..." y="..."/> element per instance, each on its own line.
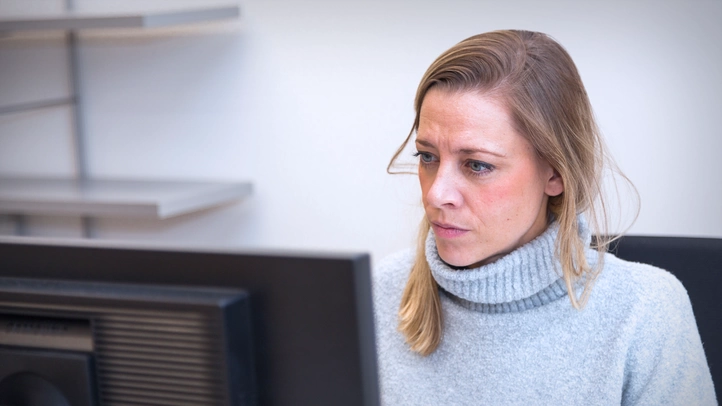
<point x="457" y="260"/>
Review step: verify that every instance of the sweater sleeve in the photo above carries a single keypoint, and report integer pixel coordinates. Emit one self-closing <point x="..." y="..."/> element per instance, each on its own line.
<point x="666" y="364"/>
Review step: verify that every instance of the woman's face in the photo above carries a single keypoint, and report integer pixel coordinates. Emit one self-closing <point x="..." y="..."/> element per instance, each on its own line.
<point x="484" y="188"/>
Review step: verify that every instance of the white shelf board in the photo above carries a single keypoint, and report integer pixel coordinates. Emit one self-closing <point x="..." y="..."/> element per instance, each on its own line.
<point x="114" y="198"/>
<point x="79" y="21"/>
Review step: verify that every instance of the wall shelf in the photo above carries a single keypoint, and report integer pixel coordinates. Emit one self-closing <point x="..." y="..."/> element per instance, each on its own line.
<point x="87" y="197"/>
<point x="79" y="21"/>
<point x="114" y="198"/>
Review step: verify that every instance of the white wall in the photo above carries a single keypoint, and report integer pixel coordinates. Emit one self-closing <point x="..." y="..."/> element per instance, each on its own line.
<point x="308" y="99"/>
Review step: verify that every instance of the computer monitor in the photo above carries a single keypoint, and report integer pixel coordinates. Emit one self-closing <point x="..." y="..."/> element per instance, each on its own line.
<point x="158" y="325"/>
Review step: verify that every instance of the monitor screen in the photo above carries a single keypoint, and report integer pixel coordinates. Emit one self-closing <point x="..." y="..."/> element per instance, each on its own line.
<point x="110" y="323"/>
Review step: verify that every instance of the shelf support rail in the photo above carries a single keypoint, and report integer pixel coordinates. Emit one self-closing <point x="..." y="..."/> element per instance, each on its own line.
<point x="81" y="164"/>
<point x="75" y="100"/>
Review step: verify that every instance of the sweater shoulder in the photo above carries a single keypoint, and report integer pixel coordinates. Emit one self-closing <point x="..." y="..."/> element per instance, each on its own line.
<point x="641" y="296"/>
<point x="393" y="269"/>
<point x="389" y="277"/>
<point x="641" y="282"/>
<point x="652" y="309"/>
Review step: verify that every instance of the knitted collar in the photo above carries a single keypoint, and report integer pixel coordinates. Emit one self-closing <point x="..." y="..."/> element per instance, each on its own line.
<point x="528" y="277"/>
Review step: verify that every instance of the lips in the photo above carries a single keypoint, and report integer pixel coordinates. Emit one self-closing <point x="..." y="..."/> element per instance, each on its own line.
<point x="447" y="230"/>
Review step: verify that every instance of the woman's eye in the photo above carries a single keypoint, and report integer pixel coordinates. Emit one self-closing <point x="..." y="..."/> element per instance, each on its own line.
<point x="477" y="166"/>
<point x="425" y="157"/>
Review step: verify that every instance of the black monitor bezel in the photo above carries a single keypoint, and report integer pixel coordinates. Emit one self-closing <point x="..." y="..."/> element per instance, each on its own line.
<point x="312" y="321"/>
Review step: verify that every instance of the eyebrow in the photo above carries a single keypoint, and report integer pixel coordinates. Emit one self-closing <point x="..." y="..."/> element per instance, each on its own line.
<point x="465" y="151"/>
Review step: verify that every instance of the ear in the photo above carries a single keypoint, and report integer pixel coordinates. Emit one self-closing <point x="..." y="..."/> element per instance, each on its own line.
<point x="555" y="184"/>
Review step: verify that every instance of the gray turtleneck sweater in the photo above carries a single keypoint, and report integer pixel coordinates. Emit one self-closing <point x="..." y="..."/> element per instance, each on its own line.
<point x="511" y="336"/>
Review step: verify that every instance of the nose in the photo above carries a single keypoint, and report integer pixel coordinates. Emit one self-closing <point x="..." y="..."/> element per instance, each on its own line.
<point x="445" y="189"/>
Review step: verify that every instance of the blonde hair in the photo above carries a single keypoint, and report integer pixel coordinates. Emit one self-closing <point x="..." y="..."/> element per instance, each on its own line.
<point x="541" y="88"/>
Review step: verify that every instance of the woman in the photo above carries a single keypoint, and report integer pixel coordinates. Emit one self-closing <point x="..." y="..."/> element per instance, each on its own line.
<point x="496" y="306"/>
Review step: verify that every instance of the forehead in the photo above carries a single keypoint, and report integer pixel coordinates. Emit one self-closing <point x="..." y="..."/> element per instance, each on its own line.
<point x="466" y="118"/>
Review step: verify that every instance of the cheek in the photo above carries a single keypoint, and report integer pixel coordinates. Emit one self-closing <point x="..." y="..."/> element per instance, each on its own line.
<point x="506" y="200"/>
<point x="425" y="182"/>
